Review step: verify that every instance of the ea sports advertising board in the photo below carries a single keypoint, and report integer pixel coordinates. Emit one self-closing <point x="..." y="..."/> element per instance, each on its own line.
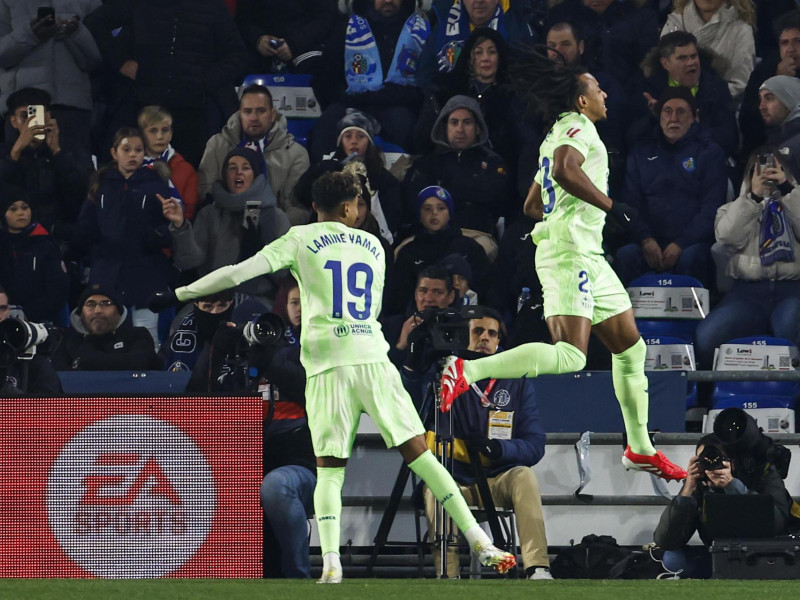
<point x="130" y="487"/>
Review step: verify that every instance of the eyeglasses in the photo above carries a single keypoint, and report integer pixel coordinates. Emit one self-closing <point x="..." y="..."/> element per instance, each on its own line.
<point x="4" y="307"/>
<point x="681" y="113"/>
<point x="91" y="304"/>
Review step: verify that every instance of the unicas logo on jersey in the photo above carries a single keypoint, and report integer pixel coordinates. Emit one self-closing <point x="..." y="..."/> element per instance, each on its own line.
<point x="131" y="496"/>
<point x="341" y="330"/>
<point x="501" y="398"/>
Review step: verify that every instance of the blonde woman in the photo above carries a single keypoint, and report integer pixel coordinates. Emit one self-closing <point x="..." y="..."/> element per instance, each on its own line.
<point x="724" y="27"/>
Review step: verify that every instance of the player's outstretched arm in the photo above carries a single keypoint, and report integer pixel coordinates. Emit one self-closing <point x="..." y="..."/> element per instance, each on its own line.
<point x="225" y="278"/>
<point x="567" y="172"/>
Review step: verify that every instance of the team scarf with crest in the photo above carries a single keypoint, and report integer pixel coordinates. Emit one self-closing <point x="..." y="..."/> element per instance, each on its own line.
<point x="450" y="38"/>
<point x="777" y="242"/>
<point x="362" y="60"/>
<point x="165" y="157"/>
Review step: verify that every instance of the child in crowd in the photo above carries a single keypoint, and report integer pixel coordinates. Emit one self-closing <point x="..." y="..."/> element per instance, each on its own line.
<point x="155" y="123"/>
<point x="461" y="272"/>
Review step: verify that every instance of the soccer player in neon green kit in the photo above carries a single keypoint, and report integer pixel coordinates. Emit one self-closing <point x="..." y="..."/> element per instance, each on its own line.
<point x="340" y="272"/>
<point x="581" y="292"/>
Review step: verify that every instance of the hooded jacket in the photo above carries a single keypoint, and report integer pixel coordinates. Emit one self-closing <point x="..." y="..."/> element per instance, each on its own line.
<point x="286" y="162"/>
<point x="738" y="229"/>
<point x="677" y="188"/>
<point x="32" y="273"/>
<point x="476" y="177"/>
<point x="123" y="349"/>
<point x="726" y="35"/>
<point x="786" y="137"/>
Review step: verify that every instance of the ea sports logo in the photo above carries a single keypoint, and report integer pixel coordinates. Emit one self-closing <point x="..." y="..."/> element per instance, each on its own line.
<point x="131" y="496"/>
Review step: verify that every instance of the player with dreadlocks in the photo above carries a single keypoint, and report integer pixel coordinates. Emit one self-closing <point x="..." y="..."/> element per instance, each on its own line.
<point x="581" y="292"/>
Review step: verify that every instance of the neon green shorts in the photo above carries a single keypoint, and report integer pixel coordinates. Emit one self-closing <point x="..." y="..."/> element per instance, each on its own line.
<point x="336" y="398"/>
<point x="580" y="285"/>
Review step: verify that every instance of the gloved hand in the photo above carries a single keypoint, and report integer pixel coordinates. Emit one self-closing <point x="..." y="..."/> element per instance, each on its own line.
<point x="623" y="215"/>
<point x="226" y="338"/>
<point x="491" y="449"/>
<point x="162" y="300"/>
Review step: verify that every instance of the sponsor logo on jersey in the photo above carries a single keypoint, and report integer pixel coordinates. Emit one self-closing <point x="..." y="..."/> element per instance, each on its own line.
<point x="341" y="330"/>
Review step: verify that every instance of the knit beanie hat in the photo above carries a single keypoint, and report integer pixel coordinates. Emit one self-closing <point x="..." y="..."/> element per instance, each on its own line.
<point x="681" y="92"/>
<point x="250" y="155"/>
<point x="787" y="89"/>
<point x="97" y="289"/>
<point x="436" y="192"/>
<point x="455" y="264"/>
<point x="8" y="195"/>
<point x="355" y="119"/>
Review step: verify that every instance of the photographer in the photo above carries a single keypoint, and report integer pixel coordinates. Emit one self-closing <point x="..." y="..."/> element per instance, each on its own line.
<point x="23" y="371"/>
<point x="716" y="468"/>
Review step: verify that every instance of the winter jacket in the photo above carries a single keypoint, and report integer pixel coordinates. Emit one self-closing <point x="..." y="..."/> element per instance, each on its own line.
<point x="286" y="162"/>
<point x="685" y="515"/>
<point x="185" y="179"/>
<point x="738" y="229"/>
<point x="676" y="188"/>
<point x="55" y="185"/>
<point x="215" y="238"/>
<point x="125" y="348"/>
<point x="477" y="178"/>
<point x="31" y="377"/>
<point x="32" y="273"/>
<point x="726" y="35"/>
<point x="126" y="232"/>
<point x="188" y="51"/>
<point x="61" y="66"/>
<point x="786" y="137"/>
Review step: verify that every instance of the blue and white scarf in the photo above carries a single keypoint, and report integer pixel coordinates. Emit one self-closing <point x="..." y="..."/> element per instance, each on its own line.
<point x="362" y="60"/>
<point x="165" y="156"/>
<point x="777" y="243"/>
<point x="450" y="39"/>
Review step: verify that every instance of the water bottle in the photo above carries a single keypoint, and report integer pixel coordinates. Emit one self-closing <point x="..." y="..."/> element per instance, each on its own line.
<point x="524" y="296"/>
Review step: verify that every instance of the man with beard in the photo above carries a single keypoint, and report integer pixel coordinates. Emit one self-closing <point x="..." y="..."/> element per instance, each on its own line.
<point x="99" y="339"/>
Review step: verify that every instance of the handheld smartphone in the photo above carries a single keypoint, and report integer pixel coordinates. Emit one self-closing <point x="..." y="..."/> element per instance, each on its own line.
<point x="37" y="112"/>
<point x="43" y="12"/>
<point x="275" y="43"/>
<point x="252" y="212"/>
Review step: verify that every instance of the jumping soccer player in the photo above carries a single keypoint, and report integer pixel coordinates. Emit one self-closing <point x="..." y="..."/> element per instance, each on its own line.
<point x="340" y="272"/>
<point x="581" y="291"/>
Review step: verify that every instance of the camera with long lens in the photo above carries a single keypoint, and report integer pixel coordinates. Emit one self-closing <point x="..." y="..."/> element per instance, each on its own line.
<point x="711" y="459"/>
<point x="19" y="339"/>
<point x="265" y="330"/>
<point x="738" y="430"/>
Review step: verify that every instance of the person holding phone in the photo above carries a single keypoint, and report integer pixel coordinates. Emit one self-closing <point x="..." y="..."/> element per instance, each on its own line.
<point x="243" y="217"/>
<point x="758" y="234"/>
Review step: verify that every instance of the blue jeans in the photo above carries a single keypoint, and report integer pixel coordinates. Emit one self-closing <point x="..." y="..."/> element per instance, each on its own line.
<point x="694" y="261"/>
<point x="695" y="561"/>
<point x="287" y="497"/>
<point x="750" y="308"/>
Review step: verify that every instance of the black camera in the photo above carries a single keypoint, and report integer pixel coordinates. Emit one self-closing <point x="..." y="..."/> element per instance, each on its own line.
<point x="265" y="330"/>
<point x="711" y="459"/>
<point x="447" y="328"/>
<point x="19" y="339"/>
<point x="738" y="430"/>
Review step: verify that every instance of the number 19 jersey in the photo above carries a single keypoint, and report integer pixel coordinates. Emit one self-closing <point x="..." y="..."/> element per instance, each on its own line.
<point x="571" y="223"/>
<point x="340" y="272"/>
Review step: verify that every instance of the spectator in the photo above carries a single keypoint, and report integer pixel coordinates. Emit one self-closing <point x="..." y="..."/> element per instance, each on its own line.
<point x="463" y="163"/>
<point x="759" y="233"/>
<point x="724" y="27"/>
<point x="685" y="513"/>
<point x="155" y="123"/>
<point x="434" y="290"/>
<point x="31" y="269"/>
<point x="301" y="27"/>
<point x="225" y="232"/>
<point x="481" y="72"/>
<point x="99" y="340"/>
<point x="32" y="375"/>
<point x="676" y="61"/>
<point x="676" y="183"/>
<point x="55" y="54"/>
<point x="461" y="272"/>
<point x="184" y="55"/>
<point x="433" y="239"/>
<point x="780" y="109"/>
<point x="453" y="20"/>
<point x="377" y="51"/>
<point x="506" y="461"/>
<point x="618" y="34"/>
<point x="122" y="227"/>
<point x="54" y="181"/>
<point x="784" y="61"/>
<point x="768" y="12"/>
<point x="257" y="125"/>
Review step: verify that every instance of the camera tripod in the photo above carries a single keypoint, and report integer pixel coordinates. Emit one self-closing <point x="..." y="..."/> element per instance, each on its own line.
<point x="444" y="527"/>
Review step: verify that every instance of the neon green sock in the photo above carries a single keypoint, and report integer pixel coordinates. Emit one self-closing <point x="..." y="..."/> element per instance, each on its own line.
<point x="328" y="507"/>
<point x="444" y="489"/>
<point x="630" y="386"/>
<point x="527" y="360"/>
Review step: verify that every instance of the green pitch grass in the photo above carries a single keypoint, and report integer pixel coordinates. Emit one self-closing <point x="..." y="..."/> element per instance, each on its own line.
<point x="392" y="589"/>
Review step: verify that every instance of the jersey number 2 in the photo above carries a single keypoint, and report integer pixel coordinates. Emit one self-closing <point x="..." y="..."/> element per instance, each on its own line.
<point x="353" y="288"/>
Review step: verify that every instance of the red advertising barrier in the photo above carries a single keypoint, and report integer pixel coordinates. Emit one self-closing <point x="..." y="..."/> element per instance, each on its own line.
<point x="130" y="487"/>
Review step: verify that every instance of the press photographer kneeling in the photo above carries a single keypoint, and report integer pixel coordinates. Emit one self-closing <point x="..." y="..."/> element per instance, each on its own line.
<point x="736" y="460"/>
